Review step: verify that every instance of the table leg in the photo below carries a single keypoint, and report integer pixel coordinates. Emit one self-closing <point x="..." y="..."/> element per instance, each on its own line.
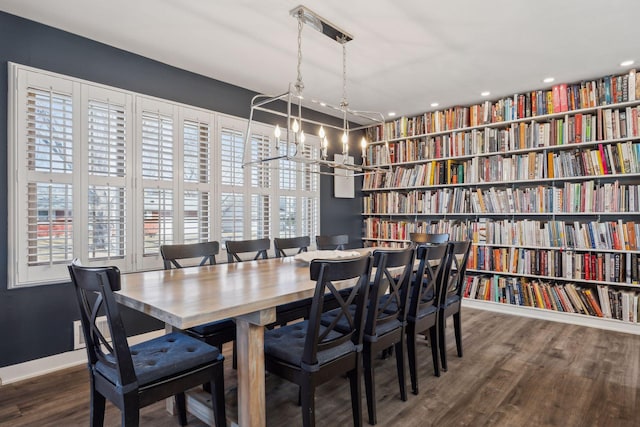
<point x="250" y="354"/>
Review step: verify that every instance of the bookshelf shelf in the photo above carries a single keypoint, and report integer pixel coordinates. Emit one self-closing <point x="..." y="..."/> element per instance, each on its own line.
<point x="546" y="185"/>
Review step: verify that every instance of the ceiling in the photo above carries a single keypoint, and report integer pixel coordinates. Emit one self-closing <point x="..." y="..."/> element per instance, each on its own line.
<point x="405" y="54"/>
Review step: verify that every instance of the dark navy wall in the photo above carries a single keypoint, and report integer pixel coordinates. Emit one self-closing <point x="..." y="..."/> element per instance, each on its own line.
<point x="37" y="322"/>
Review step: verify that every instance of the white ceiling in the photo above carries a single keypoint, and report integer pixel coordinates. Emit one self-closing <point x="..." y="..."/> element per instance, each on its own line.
<point x="404" y="56"/>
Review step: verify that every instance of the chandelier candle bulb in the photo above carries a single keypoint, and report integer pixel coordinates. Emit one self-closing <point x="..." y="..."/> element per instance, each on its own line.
<point x="345" y="144"/>
<point x="363" y="145"/>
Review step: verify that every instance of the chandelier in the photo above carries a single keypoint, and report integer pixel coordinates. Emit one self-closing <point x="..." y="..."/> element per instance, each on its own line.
<point x="287" y="108"/>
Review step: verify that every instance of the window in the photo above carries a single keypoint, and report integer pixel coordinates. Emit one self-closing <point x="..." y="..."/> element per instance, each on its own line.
<point x="108" y="176"/>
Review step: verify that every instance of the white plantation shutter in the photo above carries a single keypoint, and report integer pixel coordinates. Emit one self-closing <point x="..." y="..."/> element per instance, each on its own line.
<point x="157" y="146"/>
<point x="288" y="214"/>
<point x="232" y="216"/>
<point x="107" y="139"/>
<point x="108" y="176"/>
<point x="107" y="221"/>
<point x="159" y="133"/>
<point x="196" y="217"/>
<point x="197" y="154"/>
<point x="158" y="219"/>
<point x="232" y="145"/>
<point x="49" y="129"/>
<point x="310" y="216"/>
<point x="50" y="225"/>
<point x="260" y="216"/>
<point x="107" y="154"/>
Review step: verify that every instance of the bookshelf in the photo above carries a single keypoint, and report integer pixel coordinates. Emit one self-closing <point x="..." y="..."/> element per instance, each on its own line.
<point x="546" y="184"/>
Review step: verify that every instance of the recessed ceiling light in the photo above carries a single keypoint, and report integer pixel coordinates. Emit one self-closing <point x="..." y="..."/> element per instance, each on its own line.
<point x="391" y="113"/>
<point x="434" y="104"/>
<point x="486" y="93"/>
<point x="626" y="63"/>
<point x="548" y="80"/>
<point x="324" y="104"/>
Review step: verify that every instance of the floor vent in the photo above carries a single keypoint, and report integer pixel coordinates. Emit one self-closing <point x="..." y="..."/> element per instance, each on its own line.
<point x="78" y="335"/>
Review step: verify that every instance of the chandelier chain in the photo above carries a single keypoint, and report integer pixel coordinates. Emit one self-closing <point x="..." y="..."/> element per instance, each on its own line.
<point x="344" y="103"/>
<point x="299" y="84"/>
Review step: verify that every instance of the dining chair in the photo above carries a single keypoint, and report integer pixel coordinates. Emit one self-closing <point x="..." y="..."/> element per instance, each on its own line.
<point x="309" y="353"/>
<point x="297" y="309"/>
<point x="333" y="242"/>
<point x="451" y="296"/>
<point x="215" y="333"/>
<point x="171" y="254"/>
<point x="237" y="247"/>
<point x="422" y="306"/>
<point x="300" y="243"/>
<point x="385" y="319"/>
<point x="428" y="238"/>
<point x="136" y="376"/>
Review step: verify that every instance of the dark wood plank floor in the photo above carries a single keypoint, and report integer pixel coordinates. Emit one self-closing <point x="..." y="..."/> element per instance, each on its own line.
<point x="515" y="372"/>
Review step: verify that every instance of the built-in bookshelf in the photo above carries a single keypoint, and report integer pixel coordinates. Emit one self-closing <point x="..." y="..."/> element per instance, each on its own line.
<point x="546" y="184"/>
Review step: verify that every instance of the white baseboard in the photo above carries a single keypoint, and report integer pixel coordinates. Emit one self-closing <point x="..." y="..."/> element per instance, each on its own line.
<point x="46" y="365"/>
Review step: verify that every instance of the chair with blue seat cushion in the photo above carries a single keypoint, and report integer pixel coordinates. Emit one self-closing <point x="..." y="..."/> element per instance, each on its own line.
<point x="136" y="376"/>
<point x="309" y="353"/>
<point x="386" y="317"/>
<point x="237" y="247"/>
<point x="451" y="296"/>
<point x="332" y="242"/>
<point x="422" y="306"/>
<point x="297" y="309"/>
<point x="214" y="333"/>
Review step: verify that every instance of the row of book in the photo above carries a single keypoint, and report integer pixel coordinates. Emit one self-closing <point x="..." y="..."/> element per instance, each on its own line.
<point x="560" y="98"/>
<point x="603" y="301"/>
<point x="589" y="235"/>
<point x="573" y="197"/>
<point x="381" y="229"/>
<point x="599" y="160"/>
<point x="579" y="128"/>
<point x="577" y="236"/>
<point x="615" y="267"/>
<point x="581" y="197"/>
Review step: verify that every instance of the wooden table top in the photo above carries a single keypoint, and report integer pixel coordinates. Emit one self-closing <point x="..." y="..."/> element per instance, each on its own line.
<point x="195" y="295"/>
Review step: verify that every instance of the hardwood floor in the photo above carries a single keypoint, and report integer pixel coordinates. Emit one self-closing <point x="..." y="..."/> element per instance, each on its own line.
<point x="515" y="372"/>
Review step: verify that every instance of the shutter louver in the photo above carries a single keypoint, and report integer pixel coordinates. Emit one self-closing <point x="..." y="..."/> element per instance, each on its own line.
<point x="157" y="147"/>
<point x="107" y="222"/>
<point x="232" y="218"/>
<point x="107" y="139"/>
<point x="49" y="223"/>
<point x="288" y="214"/>
<point x="49" y="131"/>
<point x="232" y="143"/>
<point x="158" y="220"/>
<point x="196" y="217"/>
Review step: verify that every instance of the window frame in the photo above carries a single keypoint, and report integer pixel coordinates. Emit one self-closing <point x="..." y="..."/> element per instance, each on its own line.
<point x="83" y="92"/>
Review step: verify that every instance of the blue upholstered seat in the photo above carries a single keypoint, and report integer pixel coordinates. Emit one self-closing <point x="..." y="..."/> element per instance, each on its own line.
<point x="287" y="344"/>
<point x="382" y="329"/>
<point x="309" y="353"/>
<point x="132" y="377"/>
<point x="162" y="357"/>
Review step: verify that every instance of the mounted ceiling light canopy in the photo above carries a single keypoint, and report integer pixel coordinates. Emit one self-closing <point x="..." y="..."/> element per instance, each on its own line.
<point x="291" y="145"/>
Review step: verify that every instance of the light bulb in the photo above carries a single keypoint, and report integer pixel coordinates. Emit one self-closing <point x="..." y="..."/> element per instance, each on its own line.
<point x="295" y="127"/>
<point x="276" y="132"/>
<point x="321" y="132"/>
<point x="345" y="138"/>
<point x="363" y="145"/>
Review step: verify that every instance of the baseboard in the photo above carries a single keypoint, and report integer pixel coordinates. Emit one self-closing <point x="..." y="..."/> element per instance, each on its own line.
<point x="46" y="365"/>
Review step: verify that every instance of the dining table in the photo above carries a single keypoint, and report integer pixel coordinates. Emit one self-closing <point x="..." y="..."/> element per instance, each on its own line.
<point x="248" y="292"/>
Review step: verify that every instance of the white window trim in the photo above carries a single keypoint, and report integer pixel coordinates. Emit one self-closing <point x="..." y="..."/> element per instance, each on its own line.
<point x="17" y="270"/>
